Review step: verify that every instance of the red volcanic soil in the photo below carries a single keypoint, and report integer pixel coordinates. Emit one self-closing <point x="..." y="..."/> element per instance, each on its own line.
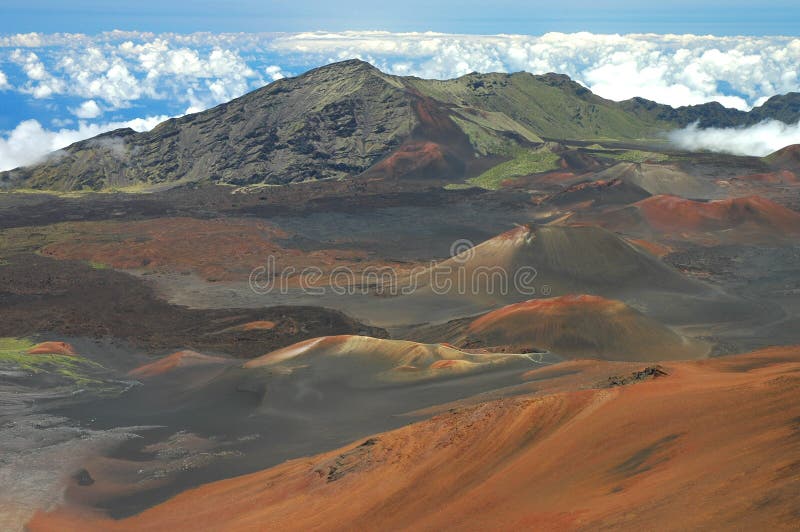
<point x="674" y="214"/>
<point x="581" y="326"/>
<point x="545" y="306"/>
<point x="437" y="126"/>
<point x="52" y="348"/>
<point x="714" y="444"/>
<point x="217" y="249"/>
<point x="438" y="149"/>
<point x="179" y="359"/>
<point x="418" y="159"/>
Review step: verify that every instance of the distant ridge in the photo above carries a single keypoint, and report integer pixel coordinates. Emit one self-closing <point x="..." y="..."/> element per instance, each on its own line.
<point x="348" y="118"/>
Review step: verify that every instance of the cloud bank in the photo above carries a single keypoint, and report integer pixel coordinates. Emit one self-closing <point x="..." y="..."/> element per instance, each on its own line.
<point x="121" y="66"/>
<point x="115" y="74"/>
<point x="674" y="69"/>
<point x="29" y="142"/>
<point x="759" y="139"/>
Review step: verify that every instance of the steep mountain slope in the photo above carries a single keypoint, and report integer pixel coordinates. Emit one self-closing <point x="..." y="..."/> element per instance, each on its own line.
<point x="343" y="119"/>
<point x="552" y="105"/>
<point x="339" y="121"/>
<point x="330" y="122"/>
<point x="782" y="107"/>
<point x="712" y="114"/>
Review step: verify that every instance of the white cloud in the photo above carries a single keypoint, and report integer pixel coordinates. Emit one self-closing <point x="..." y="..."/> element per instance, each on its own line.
<point x="623" y="76"/>
<point x="30" y="142"/>
<point x="673" y="69"/>
<point x="61" y="123"/>
<point x="116" y="86"/>
<point x="40" y="83"/>
<point x="119" y="73"/>
<point x="274" y="72"/>
<point x="31" y="64"/>
<point x="210" y="79"/>
<point x="201" y="69"/>
<point x="23" y="40"/>
<point x="4" y="84"/>
<point x="88" y="109"/>
<point x="757" y="140"/>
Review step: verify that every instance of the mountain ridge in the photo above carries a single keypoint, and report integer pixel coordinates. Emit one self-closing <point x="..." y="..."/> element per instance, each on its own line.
<point x="344" y="119"/>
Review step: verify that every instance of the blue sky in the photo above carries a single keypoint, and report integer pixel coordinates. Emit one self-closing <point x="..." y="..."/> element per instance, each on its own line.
<point x="731" y="17"/>
<point x="65" y="75"/>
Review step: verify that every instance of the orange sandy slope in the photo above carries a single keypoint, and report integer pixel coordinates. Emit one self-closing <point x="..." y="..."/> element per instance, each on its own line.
<point x="581" y="326"/>
<point x="52" y="348"/>
<point x="389" y="359"/>
<point x="414" y="159"/>
<point x="716" y="443"/>
<point x="175" y="360"/>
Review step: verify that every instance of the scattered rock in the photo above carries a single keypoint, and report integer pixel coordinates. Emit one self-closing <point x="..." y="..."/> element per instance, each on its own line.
<point x="353" y="460"/>
<point x="650" y="372"/>
<point x="83" y="478"/>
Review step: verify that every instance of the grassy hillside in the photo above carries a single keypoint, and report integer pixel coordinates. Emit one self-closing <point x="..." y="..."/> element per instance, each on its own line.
<point x="551" y="106"/>
<point x="525" y="162"/>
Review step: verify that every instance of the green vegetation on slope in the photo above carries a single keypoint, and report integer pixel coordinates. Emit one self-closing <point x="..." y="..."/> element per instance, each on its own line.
<point x="550" y="106"/>
<point x="525" y="162"/>
<point x="492" y="133"/>
<point x="34" y="240"/>
<point x="97" y="265"/>
<point x="71" y="369"/>
<point x="635" y="156"/>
